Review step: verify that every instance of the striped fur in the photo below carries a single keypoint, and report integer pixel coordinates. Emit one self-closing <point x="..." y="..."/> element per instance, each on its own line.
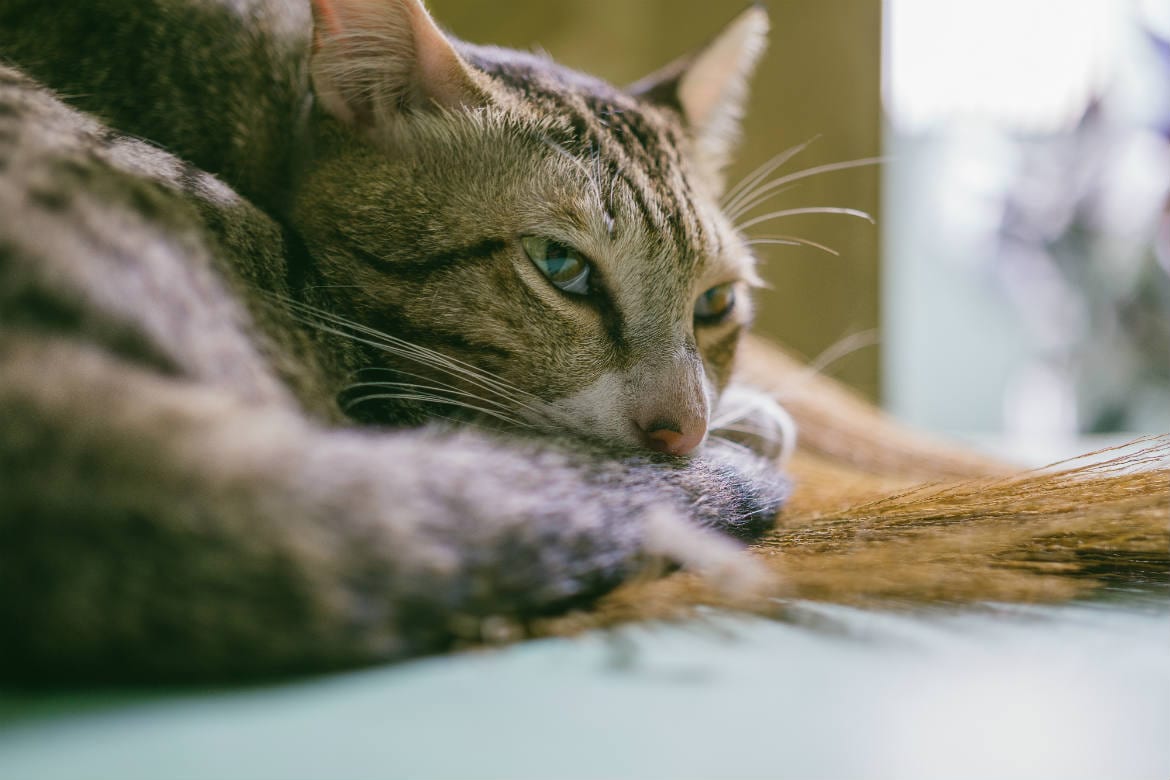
<point x="189" y="374"/>
<point x="198" y="372"/>
<point x="545" y="151"/>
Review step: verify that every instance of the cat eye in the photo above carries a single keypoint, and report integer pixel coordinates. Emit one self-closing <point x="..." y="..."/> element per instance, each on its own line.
<point x="716" y="303"/>
<point x="564" y="266"/>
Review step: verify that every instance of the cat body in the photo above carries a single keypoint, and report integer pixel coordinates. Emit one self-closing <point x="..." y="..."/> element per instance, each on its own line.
<point x="326" y="338"/>
<point x="200" y="372"/>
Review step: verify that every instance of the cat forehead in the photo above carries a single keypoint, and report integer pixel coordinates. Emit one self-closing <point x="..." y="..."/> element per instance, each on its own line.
<point x="594" y="115"/>
<point x="636" y="153"/>
<point x="538" y="76"/>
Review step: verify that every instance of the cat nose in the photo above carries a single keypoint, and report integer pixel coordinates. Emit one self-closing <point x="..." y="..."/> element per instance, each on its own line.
<point x="670" y="403"/>
<point x="674" y="437"/>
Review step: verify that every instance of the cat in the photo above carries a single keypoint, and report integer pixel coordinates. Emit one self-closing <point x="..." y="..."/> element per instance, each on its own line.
<point x="220" y="459"/>
<point x="325" y="335"/>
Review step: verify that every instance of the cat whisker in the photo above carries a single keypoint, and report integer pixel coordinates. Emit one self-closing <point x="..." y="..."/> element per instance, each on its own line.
<point x="734" y="195"/>
<point x="786" y="240"/>
<point x="431" y="379"/>
<point x="516" y="398"/>
<point x="428" y="356"/>
<point x="535" y="411"/>
<point x="835" y="352"/>
<point x="725" y="442"/>
<point x="764" y="192"/>
<point x="736" y="213"/>
<point x="403" y="348"/>
<point x="503" y="390"/>
<point x="844" y="347"/>
<point x="409" y="354"/>
<point x="446" y="391"/>
<point x="808" y="210"/>
<point x="431" y="416"/>
<point x="524" y="420"/>
<point x="436" y="399"/>
<point x="738" y="426"/>
<point x="738" y="418"/>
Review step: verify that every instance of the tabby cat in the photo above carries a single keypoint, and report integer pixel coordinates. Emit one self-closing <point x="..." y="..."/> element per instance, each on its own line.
<point x="325" y="336"/>
<point x="327" y="339"/>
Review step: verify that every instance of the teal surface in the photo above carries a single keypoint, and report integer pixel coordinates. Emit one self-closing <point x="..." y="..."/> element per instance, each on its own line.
<point x="1069" y="692"/>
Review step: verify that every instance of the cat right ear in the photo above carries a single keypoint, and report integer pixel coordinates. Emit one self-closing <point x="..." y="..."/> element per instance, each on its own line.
<point x="372" y="59"/>
<point x="709" y="88"/>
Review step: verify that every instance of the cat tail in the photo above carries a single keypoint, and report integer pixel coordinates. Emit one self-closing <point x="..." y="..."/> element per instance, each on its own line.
<point x="881" y="515"/>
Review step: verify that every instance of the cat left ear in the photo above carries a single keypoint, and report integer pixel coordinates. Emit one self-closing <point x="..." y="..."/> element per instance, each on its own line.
<point x="709" y="87"/>
<point x="374" y="58"/>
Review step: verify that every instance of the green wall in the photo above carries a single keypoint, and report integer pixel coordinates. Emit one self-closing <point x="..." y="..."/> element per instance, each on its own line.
<point x="821" y="77"/>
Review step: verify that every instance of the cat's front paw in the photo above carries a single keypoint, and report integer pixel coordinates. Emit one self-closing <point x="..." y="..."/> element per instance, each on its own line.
<point x="751" y="418"/>
<point x="734" y="490"/>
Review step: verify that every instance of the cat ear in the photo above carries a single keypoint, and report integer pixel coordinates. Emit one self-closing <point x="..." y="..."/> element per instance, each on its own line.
<point x="709" y="87"/>
<point x="373" y="58"/>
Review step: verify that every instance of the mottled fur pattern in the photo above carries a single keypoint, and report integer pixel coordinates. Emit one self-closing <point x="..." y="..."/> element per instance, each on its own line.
<point x="385" y="210"/>
<point x="197" y="371"/>
<point x="185" y="495"/>
<point x="883" y="517"/>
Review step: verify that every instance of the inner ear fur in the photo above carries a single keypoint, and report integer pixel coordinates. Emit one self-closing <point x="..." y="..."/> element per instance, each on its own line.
<point x="374" y="59"/>
<point x="709" y="88"/>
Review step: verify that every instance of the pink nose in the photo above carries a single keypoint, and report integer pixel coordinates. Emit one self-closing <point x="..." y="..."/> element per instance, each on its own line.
<point x="674" y="439"/>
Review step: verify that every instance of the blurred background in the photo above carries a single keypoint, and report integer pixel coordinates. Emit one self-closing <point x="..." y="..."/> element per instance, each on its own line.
<point x="1017" y="280"/>
<point x="1025" y="263"/>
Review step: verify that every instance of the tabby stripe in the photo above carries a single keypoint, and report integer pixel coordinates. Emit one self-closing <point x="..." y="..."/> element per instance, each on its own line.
<point x="602" y="138"/>
<point x="611" y="319"/>
<point x="299" y="267"/>
<point x="189" y="177"/>
<point x="395" y="323"/>
<point x="658" y="160"/>
<point x="432" y="263"/>
<point x="721" y="353"/>
<point x="628" y="141"/>
<point x="636" y="142"/>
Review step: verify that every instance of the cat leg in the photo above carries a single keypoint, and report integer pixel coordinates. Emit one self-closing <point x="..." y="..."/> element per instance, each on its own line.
<point x="155" y="528"/>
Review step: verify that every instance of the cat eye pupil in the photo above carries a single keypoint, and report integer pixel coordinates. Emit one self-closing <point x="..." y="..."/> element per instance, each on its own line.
<point x="716" y="303"/>
<point x="564" y="266"/>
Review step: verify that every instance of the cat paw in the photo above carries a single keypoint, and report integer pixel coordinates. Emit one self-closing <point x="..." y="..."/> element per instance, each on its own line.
<point x="751" y="418"/>
<point x="733" y="489"/>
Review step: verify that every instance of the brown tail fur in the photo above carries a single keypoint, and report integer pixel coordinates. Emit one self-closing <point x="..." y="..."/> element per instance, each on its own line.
<point x="882" y="516"/>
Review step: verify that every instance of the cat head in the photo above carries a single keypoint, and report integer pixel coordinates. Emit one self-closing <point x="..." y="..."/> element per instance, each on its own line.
<point x="522" y="240"/>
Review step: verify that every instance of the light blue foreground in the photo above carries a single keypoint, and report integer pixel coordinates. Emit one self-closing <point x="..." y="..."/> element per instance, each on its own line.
<point x="1068" y="692"/>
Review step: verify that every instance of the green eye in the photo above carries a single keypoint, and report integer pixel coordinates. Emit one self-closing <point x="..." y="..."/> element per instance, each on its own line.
<point x="564" y="266"/>
<point x="716" y="303"/>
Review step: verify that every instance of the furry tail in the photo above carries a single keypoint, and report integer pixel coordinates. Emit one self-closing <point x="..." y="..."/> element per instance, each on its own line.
<point x="882" y="516"/>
